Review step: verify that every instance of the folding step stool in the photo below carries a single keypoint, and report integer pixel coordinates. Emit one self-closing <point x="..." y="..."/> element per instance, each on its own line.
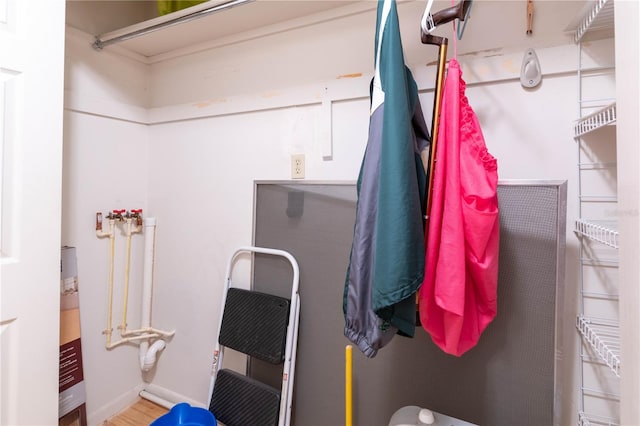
<point x="263" y="326"/>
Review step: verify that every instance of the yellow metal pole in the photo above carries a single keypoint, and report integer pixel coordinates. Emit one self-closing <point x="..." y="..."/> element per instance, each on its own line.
<point x="435" y="126"/>
<point x="112" y="238"/>
<point x="123" y="326"/>
<point x="348" y="386"/>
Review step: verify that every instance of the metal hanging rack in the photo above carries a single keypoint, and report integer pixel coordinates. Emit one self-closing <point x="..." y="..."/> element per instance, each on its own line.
<point x="429" y="23"/>
<point x="100" y="44"/>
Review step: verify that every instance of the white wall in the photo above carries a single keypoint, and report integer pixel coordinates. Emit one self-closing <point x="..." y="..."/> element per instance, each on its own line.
<point x="104" y="82"/>
<point x="223" y="118"/>
<point x="105" y="167"/>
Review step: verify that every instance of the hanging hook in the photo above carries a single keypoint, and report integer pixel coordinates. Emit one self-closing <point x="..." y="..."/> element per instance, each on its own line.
<point x="431" y="21"/>
<point x="426" y="24"/>
<point x="529" y="17"/>
<point x="467" y="12"/>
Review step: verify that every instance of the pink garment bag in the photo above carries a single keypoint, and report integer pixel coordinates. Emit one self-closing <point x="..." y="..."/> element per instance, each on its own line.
<point x="458" y="297"/>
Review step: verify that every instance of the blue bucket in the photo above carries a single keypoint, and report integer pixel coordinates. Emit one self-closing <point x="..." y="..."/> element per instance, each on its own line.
<point x="184" y="414"/>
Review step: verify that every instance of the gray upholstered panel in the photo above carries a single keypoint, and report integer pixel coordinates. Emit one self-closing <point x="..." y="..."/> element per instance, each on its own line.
<point x="507" y="379"/>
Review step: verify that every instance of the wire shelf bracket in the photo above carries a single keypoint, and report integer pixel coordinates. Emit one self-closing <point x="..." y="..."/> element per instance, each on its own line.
<point x="604" y="338"/>
<point x="604" y="233"/>
<point x="585" y="419"/>
<point x="600" y="16"/>
<point x="595" y="120"/>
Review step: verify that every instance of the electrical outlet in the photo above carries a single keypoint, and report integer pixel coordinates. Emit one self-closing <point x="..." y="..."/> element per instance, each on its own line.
<point x="297" y="166"/>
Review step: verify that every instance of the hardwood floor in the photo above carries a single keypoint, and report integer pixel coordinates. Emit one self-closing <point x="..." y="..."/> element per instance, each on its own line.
<point x="142" y="413"/>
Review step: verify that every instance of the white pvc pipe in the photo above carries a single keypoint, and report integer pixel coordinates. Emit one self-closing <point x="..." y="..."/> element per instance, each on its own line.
<point x="146" y="333"/>
<point x="130" y="230"/>
<point x="148" y="354"/>
<point x="156" y="399"/>
<point x="131" y="339"/>
<point x="147" y="277"/>
<point x="149" y="359"/>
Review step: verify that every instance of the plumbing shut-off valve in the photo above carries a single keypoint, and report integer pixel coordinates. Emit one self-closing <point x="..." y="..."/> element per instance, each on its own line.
<point x="120" y="215"/>
<point x="137" y="215"/>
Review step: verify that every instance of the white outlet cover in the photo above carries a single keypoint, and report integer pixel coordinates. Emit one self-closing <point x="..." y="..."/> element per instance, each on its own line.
<point x="297" y="166"/>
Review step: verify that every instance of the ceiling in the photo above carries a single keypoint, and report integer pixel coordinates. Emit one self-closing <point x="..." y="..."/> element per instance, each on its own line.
<point x="109" y="18"/>
<point x="496" y="23"/>
<point x="101" y="16"/>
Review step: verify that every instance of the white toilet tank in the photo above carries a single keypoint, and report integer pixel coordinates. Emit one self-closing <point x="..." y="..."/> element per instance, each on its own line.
<point x="416" y="416"/>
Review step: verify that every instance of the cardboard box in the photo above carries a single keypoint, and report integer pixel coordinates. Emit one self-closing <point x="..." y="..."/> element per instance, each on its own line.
<point x="72" y="409"/>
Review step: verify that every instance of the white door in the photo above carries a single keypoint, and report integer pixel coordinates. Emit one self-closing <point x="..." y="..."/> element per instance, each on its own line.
<point x="31" y="101"/>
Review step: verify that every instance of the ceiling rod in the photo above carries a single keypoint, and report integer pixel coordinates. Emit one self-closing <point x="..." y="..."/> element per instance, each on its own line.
<point x="100" y="44"/>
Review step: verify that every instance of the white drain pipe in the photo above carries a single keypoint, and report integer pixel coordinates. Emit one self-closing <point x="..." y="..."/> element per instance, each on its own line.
<point x="131" y="229"/>
<point x="146" y="333"/>
<point x="148" y="353"/>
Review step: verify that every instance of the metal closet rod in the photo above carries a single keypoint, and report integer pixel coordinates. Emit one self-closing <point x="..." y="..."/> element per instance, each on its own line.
<point x="100" y="44"/>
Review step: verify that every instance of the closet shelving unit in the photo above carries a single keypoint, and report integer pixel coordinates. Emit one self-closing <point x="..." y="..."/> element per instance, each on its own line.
<point x="595" y="120"/>
<point x="598" y="237"/>
<point x="604" y="339"/>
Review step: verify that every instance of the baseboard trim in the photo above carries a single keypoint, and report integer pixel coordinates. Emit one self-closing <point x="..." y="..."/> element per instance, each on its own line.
<point x="97" y="418"/>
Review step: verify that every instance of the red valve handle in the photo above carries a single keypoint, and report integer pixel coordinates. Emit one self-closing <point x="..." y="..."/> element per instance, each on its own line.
<point x="119" y="211"/>
<point x="136" y="211"/>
